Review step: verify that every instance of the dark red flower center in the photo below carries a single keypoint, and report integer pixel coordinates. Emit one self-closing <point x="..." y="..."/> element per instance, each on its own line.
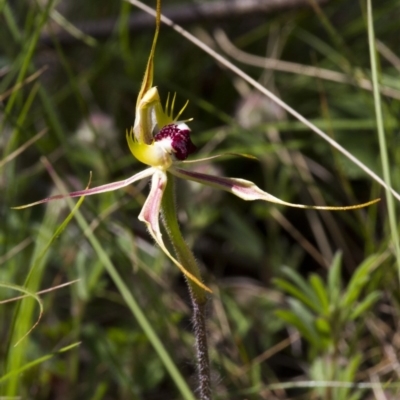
<point x="179" y="135"/>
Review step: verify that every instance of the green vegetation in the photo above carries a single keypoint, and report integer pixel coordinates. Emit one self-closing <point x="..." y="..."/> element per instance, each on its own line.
<point x="305" y="304"/>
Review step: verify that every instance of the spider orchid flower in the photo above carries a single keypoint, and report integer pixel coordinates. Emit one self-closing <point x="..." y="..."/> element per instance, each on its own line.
<point x="159" y="140"/>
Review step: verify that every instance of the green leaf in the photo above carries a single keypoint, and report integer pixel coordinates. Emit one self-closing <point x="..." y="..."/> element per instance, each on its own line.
<point x="358" y="281"/>
<point x="296" y="278"/>
<point x="323" y="326"/>
<point x="334" y="279"/>
<point x="304" y="329"/>
<point x="307" y="322"/>
<point x="294" y="291"/>
<point x="347" y="374"/>
<point x="365" y="305"/>
<point x="320" y="290"/>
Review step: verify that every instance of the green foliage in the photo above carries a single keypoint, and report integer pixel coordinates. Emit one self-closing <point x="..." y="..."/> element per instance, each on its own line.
<point x="120" y="329"/>
<point x="323" y="312"/>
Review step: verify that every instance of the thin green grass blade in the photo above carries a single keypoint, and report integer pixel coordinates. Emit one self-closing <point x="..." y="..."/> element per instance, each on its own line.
<point x="381" y="135"/>
<point x="30" y="294"/>
<point x="36" y="362"/>
<point x="10" y="21"/>
<point x="21" y="118"/>
<point x="26" y="63"/>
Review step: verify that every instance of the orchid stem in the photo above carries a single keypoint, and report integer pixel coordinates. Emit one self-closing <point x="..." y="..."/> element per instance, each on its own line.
<point x="197" y="294"/>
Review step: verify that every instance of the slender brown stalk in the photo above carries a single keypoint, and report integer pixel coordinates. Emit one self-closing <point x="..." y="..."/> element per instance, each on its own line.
<point x="200" y="333"/>
<point x="197" y="295"/>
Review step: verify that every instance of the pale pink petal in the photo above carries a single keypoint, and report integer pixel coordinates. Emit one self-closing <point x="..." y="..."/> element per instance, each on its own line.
<point x="150" y="215"/>
<point x="247" y="190"/>
<point x="98" y="189"/>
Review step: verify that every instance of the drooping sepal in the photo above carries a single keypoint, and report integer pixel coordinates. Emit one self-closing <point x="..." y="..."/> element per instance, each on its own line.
<point x="247" y="190"/>
<point x="98" y="189"/>
<point x="150" y="215"/>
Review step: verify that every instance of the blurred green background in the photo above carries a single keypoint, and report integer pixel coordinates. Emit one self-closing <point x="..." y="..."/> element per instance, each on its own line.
<point x="300" y="297"/>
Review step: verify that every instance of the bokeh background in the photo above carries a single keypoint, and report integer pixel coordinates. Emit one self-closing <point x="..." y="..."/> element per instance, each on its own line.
<point x="305" y="303"/>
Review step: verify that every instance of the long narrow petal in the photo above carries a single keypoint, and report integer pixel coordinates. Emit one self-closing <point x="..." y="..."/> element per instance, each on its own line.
<point x="150" y="215"/>
<point x="198" y="160"/>
<point x="247" y="190"/>
<point x="98" y="189"/>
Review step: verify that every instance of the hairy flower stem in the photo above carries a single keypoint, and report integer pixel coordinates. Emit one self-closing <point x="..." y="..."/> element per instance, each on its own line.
<point x="197" y="294"/>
